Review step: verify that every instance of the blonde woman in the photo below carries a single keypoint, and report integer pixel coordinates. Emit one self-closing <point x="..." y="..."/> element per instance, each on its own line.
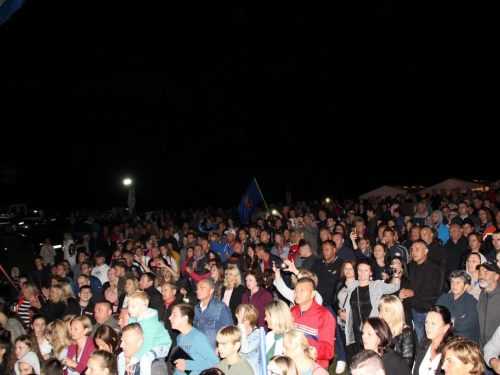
<point x="55" y="306"/>
<point x="111" y="292"/>
<point x="232" y="291"/>
<point x="303" y="355"/>
<point x="57" y="333"/>
<point x="279" y="320"/>
<point x="390" y="309"/>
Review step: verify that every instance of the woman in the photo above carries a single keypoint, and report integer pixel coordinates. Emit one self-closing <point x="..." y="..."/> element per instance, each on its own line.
<point x="37" y="330"/>
<point x="23" y="345"/>
<point x="399" y="269"/>
<point x="57" y="334"/>
<point x="102" y="362"/>
<point x="28" y="364"/>
<point x="302" y="354"/>
<point x="131" y="285"/>
<point x="474" y="260"/>
<point x="377" y="336"/>
<point x="10" y="321"/>
<point x="462" y="306"/>
<point x="257" y="294"/>
<point x="438" y="330"/>
<point x="167" y="255"/>
<point x="403" y="338"/>
<point x="461" y="356"/>
<point x="281" y="365"/>
<point x="82" y="346"/>
<point x="217" y="275"/>
<point x="476" y="243"/>
<point x="280" y="249"/>
<point x="248" y="316"/>
<point x="484" y="221"/>
<point x="5" y="349"/>
<point x="363" y="244"/>
<point x="339" y="301"/>
<point x="279" y="320"/>
<point x="232" y="290"/>
<point x="363" y="296"/>
<point x="55" y="306"/>
<point x="189" y="255"/>
<point x="70" y="296"/>
<point x="381" y="262"/>
<point x="69" y="249"/>
<point x="107" y="339"/>
<point x="111" y="292"/>
<point x="251" y="260"/>
<point x="29" y="294"/>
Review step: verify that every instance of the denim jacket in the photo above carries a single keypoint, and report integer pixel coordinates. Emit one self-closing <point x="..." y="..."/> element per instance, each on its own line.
<point x="215" y="316"/>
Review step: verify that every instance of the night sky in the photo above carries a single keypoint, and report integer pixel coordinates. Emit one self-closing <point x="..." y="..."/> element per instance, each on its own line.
<point x="193" y="100"/>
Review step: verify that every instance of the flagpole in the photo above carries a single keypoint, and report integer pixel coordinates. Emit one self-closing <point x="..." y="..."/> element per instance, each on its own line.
<point x="258" y="187"/>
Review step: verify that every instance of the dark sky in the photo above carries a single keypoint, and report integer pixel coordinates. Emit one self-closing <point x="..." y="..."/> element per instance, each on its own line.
<point x="194" y="100"/>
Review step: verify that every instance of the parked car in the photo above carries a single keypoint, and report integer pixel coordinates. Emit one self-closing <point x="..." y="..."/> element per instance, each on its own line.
<point x="44" y="217"/>
<point x="8" y="224"/>
<point x="32" y="237"/>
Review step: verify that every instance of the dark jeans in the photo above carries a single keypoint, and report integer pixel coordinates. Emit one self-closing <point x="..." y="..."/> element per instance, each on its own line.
<point x="339" y="343"/>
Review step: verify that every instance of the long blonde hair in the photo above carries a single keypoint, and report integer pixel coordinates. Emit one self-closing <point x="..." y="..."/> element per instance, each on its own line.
<point x="298" y="339"/>
<point x="281" y="317"/>
<point x="59" y="335"/>
<point x="398" y="313"/>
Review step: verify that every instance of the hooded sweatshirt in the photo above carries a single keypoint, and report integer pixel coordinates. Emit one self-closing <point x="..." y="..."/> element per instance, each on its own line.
<point x="30" y="358"/>
<point x="442" y="229"/>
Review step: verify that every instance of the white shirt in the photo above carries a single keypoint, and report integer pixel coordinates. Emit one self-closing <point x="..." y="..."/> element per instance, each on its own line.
<point x="101" y="273"/>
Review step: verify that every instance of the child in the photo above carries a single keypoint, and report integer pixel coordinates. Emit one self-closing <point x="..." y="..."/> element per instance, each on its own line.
<point x="228" y="345"/>
<point x="157" y="341"/>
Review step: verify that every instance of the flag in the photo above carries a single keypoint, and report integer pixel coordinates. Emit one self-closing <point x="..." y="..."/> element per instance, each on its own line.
<point x="250" y="199"/>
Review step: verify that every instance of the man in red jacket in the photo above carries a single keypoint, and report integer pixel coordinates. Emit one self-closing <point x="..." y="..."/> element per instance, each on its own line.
<point x="314" y="320"/>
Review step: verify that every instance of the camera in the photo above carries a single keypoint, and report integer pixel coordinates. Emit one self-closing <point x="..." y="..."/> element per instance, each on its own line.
<point x="281" y="266"/>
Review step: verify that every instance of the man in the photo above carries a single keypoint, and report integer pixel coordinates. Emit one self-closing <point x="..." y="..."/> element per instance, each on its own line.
<point x="265" y="257"/>
<point x="306" y="253"/>
<point x="103" y="314"/>
<point x="371" y="225"/>
<point x="427" y="278"/>
<point x="197" y="263"/>
<point x="210" y="314"/>
<point x="95" y="283"/>
<point x="314" y="320"/>
<point x="463" y="213"/>
<point x="131" y="342"/>
<point x="85" y="305"/>
<point x="488" y="304"/>
<point x="224" y="249"/>
<point x="414" y="235"/>
<point x="367" y="362"/>
<point x="81" y="256"/>
<point x="442" y="229"/>
<point x="169" y="295"/>
<point x="344" y="251"/>
<point x="123" y="317"/>
<point x="395" y="249"/>
<point x="41" y="274"/>
<point x="309" y="231"/>
<point x="101" y="268"/>
<point x="244" y="238"/>
<point x="328" y="271"/>
<point x="95" y="296"/>
<point x="456" y="246"/>
<point x="147" y="284"/>
<point x="436" y="251"/>
<point x="122" y="270"/>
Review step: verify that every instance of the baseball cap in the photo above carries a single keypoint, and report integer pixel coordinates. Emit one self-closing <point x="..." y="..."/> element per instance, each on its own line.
<point x="490" y="266"/>
<point x="230" y="231"/>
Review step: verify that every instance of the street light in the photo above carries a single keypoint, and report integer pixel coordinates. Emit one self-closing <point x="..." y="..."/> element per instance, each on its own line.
<point x="131" y="194"/>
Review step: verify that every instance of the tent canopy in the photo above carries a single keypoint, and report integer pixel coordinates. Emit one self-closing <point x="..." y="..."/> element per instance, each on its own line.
<point x="384" y="191"/>
<point x="453" y="183"/>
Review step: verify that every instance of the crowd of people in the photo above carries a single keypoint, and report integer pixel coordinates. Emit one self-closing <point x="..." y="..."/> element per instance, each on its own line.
<point x="406" y="285"/>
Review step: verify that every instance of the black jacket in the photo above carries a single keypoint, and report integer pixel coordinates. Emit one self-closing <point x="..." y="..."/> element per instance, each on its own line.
<point x="404" y="344"/>
<point x="427" y="280"/>
<point x="155" y="299"/>
<point x="395" y="363"/>
<point x="421" y="352"/>
<point x="235" y="299"/>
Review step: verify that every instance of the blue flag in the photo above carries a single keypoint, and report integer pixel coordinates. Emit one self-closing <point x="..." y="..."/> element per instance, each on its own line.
<point x="250" y="199"/>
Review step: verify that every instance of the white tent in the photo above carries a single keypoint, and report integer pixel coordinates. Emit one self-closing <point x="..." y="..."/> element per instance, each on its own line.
<point x="453" y="183"/>
<point x="384" y="191"/>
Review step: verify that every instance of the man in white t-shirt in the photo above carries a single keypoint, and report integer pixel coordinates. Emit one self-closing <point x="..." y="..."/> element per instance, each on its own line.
<point x="100" y="269"/>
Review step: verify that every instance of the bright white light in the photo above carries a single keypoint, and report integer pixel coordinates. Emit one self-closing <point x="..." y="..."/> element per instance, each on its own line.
<point x="127" y="181"/>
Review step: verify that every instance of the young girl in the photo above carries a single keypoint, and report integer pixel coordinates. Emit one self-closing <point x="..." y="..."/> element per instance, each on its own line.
<point x="37" y="328"/>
